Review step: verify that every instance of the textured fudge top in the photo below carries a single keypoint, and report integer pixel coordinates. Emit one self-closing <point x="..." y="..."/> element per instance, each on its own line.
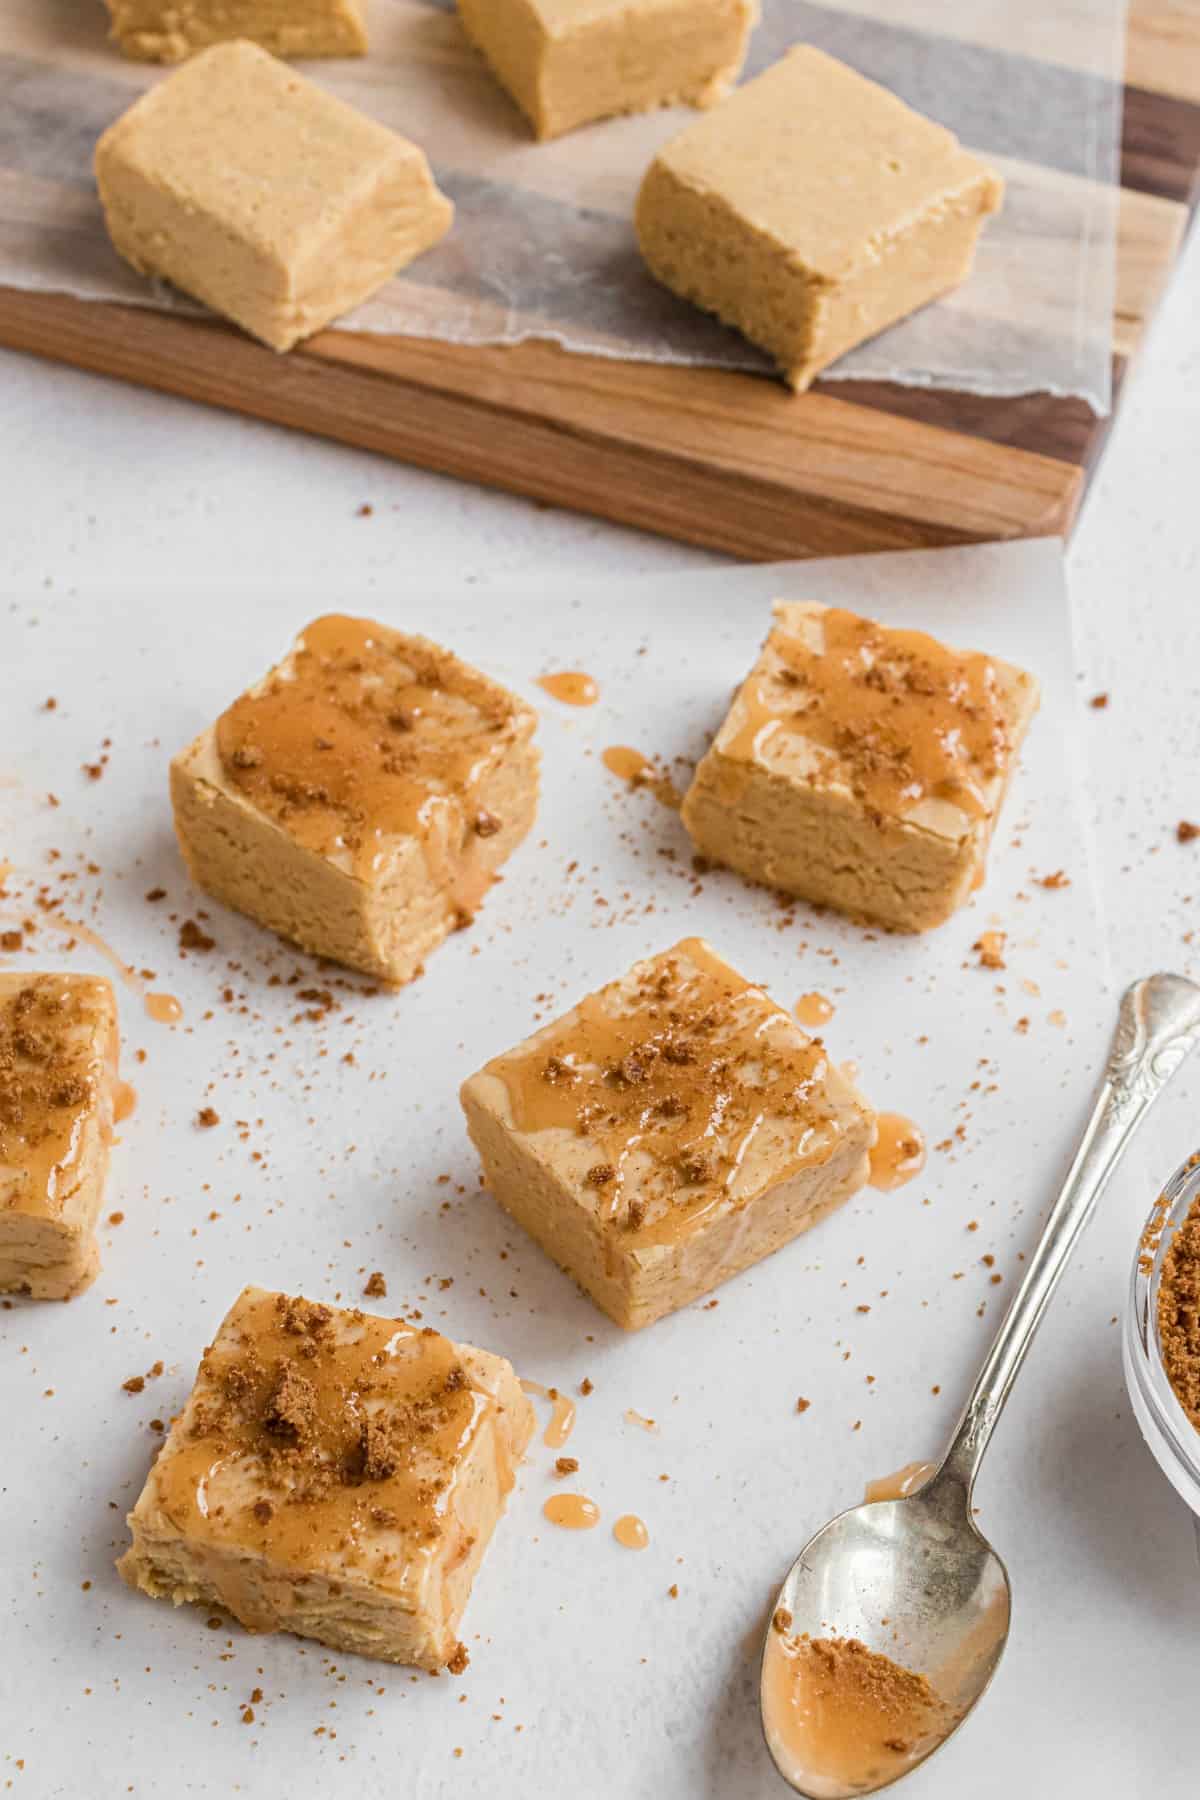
<point x="672" y="1094"/>
<point x="912" y="728"/>
<point x="827" y="162"/>
<point x="363" y="735"/>
<point x="237" y="134"/>
<point x="326" y="1439"/>
<point x="57" y="1060"/>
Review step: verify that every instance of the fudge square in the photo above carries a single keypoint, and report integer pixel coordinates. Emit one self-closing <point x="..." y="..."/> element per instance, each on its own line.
<point x="334" y="1474"/>
<point x="812" y="209"/>
<point x="862" y="767"/>
<point x="58" y="1073"/>
<point x="667" y="1132"/>
<point x="361" y="798"/>
<point x="170" y="30"/>
<point x="254" y="191"/>
<point x="567" y="62"/>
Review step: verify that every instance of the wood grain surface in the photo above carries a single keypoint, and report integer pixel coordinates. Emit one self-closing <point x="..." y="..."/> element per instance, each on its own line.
<point x="732" y="461"/>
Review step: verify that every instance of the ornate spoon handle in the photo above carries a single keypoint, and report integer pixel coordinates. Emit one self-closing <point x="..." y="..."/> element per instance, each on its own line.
<point x="1158" y="1027"/>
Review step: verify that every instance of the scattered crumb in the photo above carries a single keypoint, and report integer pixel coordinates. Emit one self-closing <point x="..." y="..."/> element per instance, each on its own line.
<point x="376" y="1288"/>
<point x="990" y="946"/>
<point x="1059" y="879"/>
<point x="1098" y="701"/>
<point x="192" y="938"/>
<point x="1185" y="831"/>
<point x="803" y="1405"/>
<point x="207" y="1117"/>
<point x="566" y="1465"/>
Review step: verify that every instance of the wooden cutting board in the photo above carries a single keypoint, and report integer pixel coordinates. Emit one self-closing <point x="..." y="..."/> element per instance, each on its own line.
<point x="730" y="461"/>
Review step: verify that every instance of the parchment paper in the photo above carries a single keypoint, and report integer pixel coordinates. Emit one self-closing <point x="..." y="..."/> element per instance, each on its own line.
<point x="543" y="245"/>
<point x="588" y="1677"/>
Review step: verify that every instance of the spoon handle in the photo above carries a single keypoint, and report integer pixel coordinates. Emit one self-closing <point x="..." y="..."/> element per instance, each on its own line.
<point x="1158" y="1027"/>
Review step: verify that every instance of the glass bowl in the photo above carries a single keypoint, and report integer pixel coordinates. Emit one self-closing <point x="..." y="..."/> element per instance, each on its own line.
<point x="1173" y="1440"/>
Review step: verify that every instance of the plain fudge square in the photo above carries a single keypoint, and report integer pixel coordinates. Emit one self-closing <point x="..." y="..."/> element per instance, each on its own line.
<point x="333" y="1474"/>
<point x="255" y="191"/>
<point x="170" y="30"/>
<point x="361" y="798"/>
<point x="862" y="767"/>
<point x="812" y="209"/>
<point x="567" y="62"/>
<point x="667" y="1132"/>
<point x="58" y="1074"/>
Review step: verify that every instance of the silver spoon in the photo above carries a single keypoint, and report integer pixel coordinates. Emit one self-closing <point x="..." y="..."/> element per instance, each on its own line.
<point x="920" y="1564"/>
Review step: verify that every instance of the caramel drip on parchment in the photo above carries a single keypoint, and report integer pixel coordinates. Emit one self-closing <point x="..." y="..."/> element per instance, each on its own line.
<point x="637" y="1418"/>
<point x="671" y="1084"/>
<point x="903" y="718"/>
<point x="571" y="686"/>
<point x="631" y="1533"/>
<point x="574" y="1512"/>
<point x="640" y="771"/>
<point x="562" y="1417"/>
<point x="124" y="1102"/>
<point x="814" y="1009"/>
<point x="164" y="1009"/>
<point x="364" y="739"/>
<point x="314" y="1432"/>
<point x="898" y="1155"/>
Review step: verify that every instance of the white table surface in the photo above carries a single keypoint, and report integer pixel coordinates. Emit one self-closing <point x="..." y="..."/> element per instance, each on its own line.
<point x="108" y="490"/>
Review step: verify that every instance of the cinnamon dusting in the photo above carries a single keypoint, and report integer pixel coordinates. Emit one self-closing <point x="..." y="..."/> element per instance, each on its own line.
<point x="685" y="1088"/>
<point x="895" y="715"/>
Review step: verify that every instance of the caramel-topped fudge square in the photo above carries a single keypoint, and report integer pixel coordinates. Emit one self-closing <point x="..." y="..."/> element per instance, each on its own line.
<point x="361" y="799"/>
<point x="862" y="767"/>
<point x="567" y="62"/>
<point x="58" y="1080"/>
<point x="255" y="191"/>
<point x="334" y="1474"/>
<point x="812" y="209"/>
<point x="667" y="1132"/>
<point x="170" y="30"/>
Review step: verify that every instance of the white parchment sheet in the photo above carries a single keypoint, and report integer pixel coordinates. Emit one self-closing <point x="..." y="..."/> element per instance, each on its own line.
<point x="543" y="245"/>
<point x="587" y="1677"/>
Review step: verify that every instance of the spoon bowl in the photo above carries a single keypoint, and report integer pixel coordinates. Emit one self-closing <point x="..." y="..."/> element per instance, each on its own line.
<point x="913" y="1580"/>
<point x="894" y="1617"/>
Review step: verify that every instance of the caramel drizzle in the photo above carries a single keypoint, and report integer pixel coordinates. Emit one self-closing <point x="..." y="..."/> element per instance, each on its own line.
<point x="53" y="1074"/>
<point x="164" y="1009"/>
<point x="900" y="1483"/>
<point x="671" y="1085"/>
<point x="572" y="686"/>
<point x="366" y="737"/>
<point x="631" y="1533"/>
<point x="562" y="1416"/>
<point x="641" y="771"/>
<point x="835" y="1711"/>
<point x="898" y="1154"/>
<point x="574" y="1512"/>
<point x="814" y="1009"/>
<point x="313" y="1434"/>
<point x="902" y="717"/>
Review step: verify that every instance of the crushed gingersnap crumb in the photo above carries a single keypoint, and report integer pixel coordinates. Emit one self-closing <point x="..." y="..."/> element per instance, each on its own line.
<point x="1179" y="1314"/>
